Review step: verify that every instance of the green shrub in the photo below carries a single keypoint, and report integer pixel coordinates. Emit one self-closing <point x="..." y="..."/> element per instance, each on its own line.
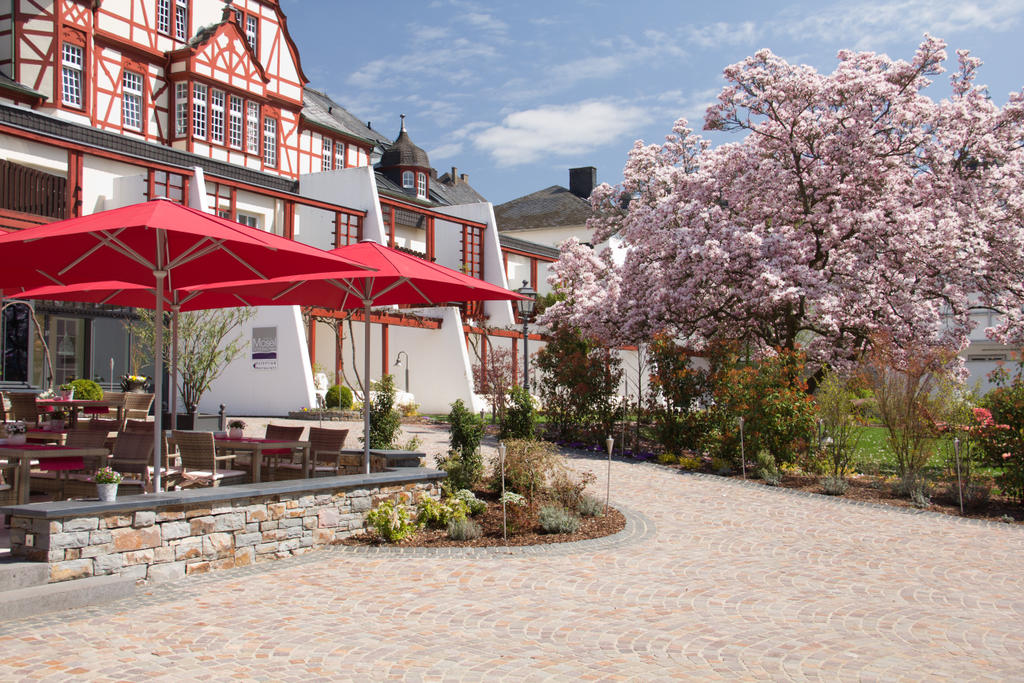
<point x="384" y="419"/>
<point x="437" y="514"/>
<point x="690" y="463"/>
<point x="590" y="507"/>
<point x="680" y="389"/>
<point x="834" y="486"/>
<point x="339" y="396"/>
<point x="87" y="390"/>
<point x="539" y="472"/>
<point x="391" y="521"/>
<point x="464" y="462"/>
<point x="475" y="505"/>
<point x="557" y="520"/>
<point x="463" y="530"/>
<point x="766" y="468"/>
<point x="519" y="416"/>
<point x="667" y="459"/>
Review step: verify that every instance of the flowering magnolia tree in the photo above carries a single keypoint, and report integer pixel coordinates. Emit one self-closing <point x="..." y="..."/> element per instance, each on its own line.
<point x="855" y="205"/>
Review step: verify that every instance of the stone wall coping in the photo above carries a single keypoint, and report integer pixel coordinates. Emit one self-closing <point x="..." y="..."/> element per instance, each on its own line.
<point x="152" y="501"/>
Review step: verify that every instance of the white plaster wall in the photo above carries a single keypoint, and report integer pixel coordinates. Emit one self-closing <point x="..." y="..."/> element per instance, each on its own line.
<point x="34" y="155"/>
<point x="248" y="391"/>
<point x="351" y="187"/>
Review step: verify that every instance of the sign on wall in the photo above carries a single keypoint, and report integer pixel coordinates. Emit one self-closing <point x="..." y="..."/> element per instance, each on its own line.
<point x="264" y="348"/>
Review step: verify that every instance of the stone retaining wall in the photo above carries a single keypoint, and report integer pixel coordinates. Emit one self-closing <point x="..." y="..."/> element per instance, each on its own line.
<point x="169" y="540"/>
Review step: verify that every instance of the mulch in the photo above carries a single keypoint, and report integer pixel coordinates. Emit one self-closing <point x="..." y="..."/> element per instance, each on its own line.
<point x="490" y="522"/>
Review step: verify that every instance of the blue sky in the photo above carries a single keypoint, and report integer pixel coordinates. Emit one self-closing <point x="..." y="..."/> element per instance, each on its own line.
<point x="516" y="93"/>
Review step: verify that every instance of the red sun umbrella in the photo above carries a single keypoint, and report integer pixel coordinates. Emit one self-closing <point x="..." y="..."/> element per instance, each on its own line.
<point x="397" y="278"/>
<point x="158" y="244"/>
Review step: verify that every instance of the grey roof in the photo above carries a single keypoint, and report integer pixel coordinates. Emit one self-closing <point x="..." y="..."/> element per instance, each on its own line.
<point x="11" y="84"/>
<point x="552" y="207"/>
<point x="528" y="246"/>
<point x="318" y="108"/>
<point x="457" y="192"/>
<point x="441" y="194"/>
<point x="403" y="152"/>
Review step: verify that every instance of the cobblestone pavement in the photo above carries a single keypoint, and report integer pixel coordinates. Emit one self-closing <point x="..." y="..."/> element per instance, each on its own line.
<point x="711" y="579"/>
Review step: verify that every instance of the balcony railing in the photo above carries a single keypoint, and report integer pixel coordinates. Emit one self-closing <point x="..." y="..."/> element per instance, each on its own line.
<point x="29" y="191"/>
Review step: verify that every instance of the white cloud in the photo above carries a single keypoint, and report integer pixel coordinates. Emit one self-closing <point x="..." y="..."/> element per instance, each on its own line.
<point x="722" y="33"/>
<point x="486" y="22"/>
<point x="530" y="135"/>
<point x="445" y="151"/>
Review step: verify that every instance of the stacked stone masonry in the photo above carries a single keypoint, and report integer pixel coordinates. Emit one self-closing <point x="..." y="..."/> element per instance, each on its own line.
<point x="171" y="542"/>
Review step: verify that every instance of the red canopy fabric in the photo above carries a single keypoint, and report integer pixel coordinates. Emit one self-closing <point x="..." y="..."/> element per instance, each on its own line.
<point x="158" y="244"/>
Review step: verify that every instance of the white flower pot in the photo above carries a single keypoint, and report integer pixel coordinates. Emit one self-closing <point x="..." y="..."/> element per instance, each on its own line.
<point x="16" y="439"/>
<point x="106" y="492"/>
<point x="235" y="433"/>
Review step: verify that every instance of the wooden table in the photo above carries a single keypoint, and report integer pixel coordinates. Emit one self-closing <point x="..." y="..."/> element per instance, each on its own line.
<point x="46" y="436"/>
<point x="26" y="453"/>
<point x="257" y="446"/>
<point x="72" y="406"/>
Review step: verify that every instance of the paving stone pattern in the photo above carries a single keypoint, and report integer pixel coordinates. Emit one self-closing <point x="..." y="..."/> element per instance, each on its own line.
<point x="711" y="579"/>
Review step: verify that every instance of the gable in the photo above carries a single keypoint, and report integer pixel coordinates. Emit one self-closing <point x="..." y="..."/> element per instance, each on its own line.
<point x="223" y="55"/>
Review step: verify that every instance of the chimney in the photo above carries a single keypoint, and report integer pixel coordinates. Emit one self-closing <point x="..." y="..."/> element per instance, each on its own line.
<point x="454" y="176"/>
<point x="464" y="178"/>
<point x="582" y="181"/>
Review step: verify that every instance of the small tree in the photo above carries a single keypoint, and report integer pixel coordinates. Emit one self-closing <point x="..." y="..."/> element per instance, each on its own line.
<point x="384" y="419"/>
<point x="208" y="341"/>
<point x="579" y="382"/>
<point x="838" y="417"/>
<point x="681" y="393"/>
<point x="464" y="464"/>
<point x="496" y="381"/>
<point x="520" y="416"/>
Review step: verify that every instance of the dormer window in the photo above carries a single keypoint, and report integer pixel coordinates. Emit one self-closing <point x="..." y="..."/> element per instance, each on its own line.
<point x="421" y="185"/>
<point x="408" y="180"/>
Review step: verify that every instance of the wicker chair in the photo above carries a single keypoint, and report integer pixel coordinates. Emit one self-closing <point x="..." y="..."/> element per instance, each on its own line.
<point x="271" y="456"/>
<point x="23" y="407"/>
<point x="136" y="406"/>
<point x="199" y="461"/>
<point x="170" y="475"/>
<point x="9" y="473"/>
<point x="324" y="453"/>
<point x="133" y="454"/>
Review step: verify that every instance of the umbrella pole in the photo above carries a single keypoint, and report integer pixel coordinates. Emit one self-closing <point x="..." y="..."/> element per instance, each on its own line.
<point x="366" y="386"/>
<point x="175" y="309"/>
<point x="158" y="380"/>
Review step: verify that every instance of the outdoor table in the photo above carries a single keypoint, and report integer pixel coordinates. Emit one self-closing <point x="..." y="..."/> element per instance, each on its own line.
<point x="26" y="453"/>
<point x="257" y="447"/>
<point x="47" y="436"/>
<point x="73" y="405"/>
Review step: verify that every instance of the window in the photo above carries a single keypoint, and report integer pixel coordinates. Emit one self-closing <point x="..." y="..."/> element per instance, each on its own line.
<point x="247" y="219"/>
<point x="180" y="109"/>
<point x="407" y="179"/>
<point x="421" y="185"/>
<point x="71" y="62"/>
<point x="252" y="32"/>
<point x="131" y="106"/>
<point x="339" y="155"/>
<point x="235" y="125"/>
<point x="163" y="17"/>
<point x="199" y="110"/>
<point x="181" y="20"/>
<point x="217" y="116"/>
<point x="328" y="154"/>
<point x="252" y="140"/>
<point x="270" y="141"/>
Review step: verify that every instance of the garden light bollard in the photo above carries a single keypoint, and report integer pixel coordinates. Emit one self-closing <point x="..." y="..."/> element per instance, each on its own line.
<point x="610" y="444"/>
<point x="504" y="525"/>
<point x="743" y="456"/>
<point x="959" y="484"/>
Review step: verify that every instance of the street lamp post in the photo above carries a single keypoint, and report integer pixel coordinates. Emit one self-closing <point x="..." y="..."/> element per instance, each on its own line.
<point x="400" y="364"/>
<point x="526" y="307"/>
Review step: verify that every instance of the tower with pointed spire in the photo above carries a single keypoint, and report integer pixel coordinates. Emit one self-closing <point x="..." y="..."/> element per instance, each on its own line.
<point x="407" y="165"/>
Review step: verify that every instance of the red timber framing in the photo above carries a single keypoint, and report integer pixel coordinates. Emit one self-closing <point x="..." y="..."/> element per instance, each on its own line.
<point x="470" y="229"/>
<point x="325" y="149"/>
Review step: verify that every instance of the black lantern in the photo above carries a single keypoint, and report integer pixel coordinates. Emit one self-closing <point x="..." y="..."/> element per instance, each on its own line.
<point x="526" y="307"/>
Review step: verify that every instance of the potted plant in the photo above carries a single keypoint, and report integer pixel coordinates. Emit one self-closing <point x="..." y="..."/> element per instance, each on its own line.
<point x="135" y="384"/>
<point x="15" y="433"/>
<point x="57" y="418"/>
<point x="67" y="391"/>
<point x="235" y="428"/>
<point x="107" y="480"/>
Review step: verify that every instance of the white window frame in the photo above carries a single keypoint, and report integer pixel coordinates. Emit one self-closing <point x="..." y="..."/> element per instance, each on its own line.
<point x="421" y="185"/>
<point x="339" y="154"/>
<point x="181" y="20"/>
<point x="252" y="122"/>
<point x="163" y="17"/>
<point x="408" y="180"/>
<point x="199" y="110"/>
<point x="235" y="122"/>
<point x="252" y="31"/>
<point x="72" y="60"/>
<point x="270" y="141"/>
<point x="217" y="116"/>
<point x="181" y="109"/>
<point x="328" y="154"/>
<point x="132" y="91"/>
<point x="249" y="219"/>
